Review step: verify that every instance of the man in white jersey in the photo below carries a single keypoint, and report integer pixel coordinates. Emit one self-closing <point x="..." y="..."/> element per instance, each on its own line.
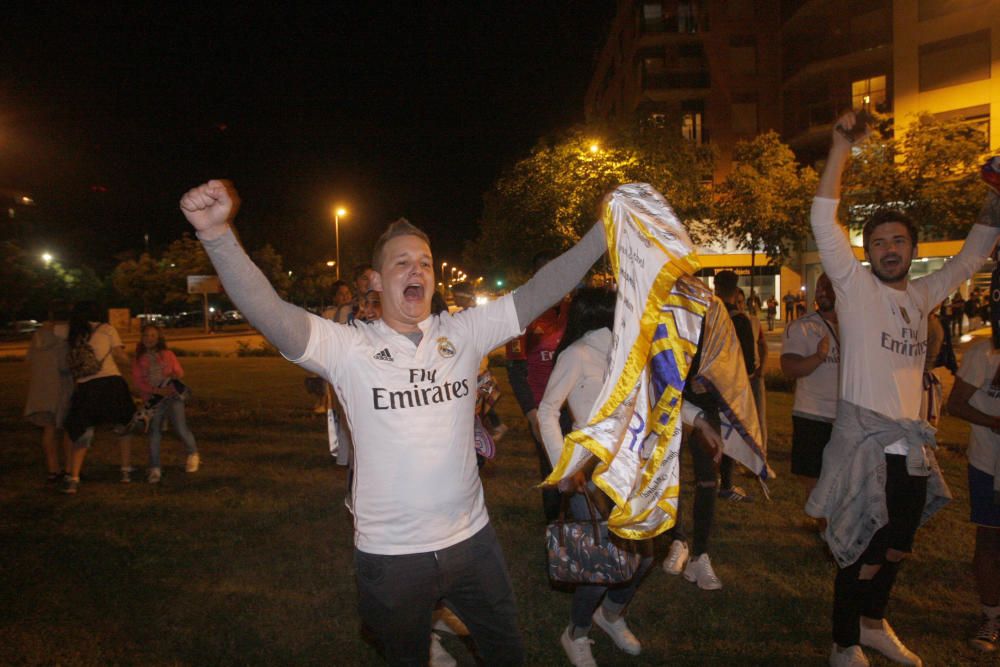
<point x="976" y="399"/>
<point x="810" y="354"/>
<point x="880" y="479"/>
<point x="408" y="385"/>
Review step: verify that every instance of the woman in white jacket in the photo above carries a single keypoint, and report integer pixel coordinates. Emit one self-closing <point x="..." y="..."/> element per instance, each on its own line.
<point x="581" y="361"/>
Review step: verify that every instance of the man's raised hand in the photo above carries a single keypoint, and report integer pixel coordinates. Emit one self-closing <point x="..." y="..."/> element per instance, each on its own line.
<point x="210" y="207"/>
<point x="844" y="129"/>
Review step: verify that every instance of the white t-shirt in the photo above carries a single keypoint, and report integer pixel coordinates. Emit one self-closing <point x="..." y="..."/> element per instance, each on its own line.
<point x="103" y="340"/>
<point x="883" y="331"/>
<point x="979" y="367"/>
<point x="816" y="393"/>
<point x="410" y="410"/>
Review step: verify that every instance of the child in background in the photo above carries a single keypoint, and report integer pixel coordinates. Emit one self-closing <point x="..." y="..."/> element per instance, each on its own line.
<point x="156" y="374"/>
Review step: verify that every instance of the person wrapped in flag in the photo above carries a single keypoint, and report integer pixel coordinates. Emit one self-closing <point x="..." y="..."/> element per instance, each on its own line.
<point x="635" y="429"/>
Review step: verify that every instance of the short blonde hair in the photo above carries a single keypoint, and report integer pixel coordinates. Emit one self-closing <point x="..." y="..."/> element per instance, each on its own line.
<point x="401" y="227"/>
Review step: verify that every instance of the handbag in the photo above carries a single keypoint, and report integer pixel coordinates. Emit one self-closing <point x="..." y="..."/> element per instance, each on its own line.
<point x="584" y="552"/>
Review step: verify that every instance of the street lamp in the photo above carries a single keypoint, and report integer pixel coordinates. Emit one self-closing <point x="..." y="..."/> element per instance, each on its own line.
<point x="339" y="211"/>
<point x="331" y="264"/>
<point x="47" y="258"/>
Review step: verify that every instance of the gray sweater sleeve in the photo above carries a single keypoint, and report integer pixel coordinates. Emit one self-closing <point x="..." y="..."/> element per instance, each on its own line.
<point x="285" y="325"/>
<point x="559" y="276"/>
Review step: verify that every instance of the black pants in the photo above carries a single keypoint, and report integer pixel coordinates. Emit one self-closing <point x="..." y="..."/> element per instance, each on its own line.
<point x="705" y="491"/>
<point x="905" y="497"/>
<point x="398" y="595"/>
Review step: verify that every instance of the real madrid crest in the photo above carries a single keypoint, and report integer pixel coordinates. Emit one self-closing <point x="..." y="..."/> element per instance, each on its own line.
<point x="445" y="348"/>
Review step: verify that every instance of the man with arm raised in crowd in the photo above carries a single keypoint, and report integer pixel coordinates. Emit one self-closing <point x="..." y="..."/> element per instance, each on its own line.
<point x="879" y="479"/>
<point x="408" y="385"/>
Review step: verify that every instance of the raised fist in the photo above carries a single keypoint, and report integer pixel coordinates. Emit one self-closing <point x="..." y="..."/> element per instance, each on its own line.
<point x="210" y="207"/>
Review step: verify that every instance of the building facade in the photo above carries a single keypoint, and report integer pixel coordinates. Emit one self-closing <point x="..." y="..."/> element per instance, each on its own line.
<point x="725" y="70"/>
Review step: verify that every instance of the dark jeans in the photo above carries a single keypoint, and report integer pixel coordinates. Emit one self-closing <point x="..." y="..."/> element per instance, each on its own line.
<point x="905" y="496"/>
<point x="704" y="496"/>
<point x="587" y="597"/>
<point x="398" y="594"/>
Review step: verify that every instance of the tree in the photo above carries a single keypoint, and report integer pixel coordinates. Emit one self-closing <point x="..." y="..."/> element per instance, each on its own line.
<point x="931" y="172"/>
<point x="314" y="286"/>
<point x="143" y="282"/>
<point x="18" y="279"/>
<point x="763" y="204"/>
<point x="548" y="199"/>
<point x="271" y="264"/>
<point x="182" y="258"/>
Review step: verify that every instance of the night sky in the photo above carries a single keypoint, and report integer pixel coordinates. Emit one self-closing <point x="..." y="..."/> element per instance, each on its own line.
<point x="108" y="115"/>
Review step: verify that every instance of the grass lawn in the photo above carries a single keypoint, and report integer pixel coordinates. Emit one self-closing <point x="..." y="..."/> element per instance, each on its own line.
<point x="249" y="560"/>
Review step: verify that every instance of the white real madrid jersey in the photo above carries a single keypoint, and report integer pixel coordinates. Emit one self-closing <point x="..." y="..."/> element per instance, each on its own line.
<point x="411" y="413"/>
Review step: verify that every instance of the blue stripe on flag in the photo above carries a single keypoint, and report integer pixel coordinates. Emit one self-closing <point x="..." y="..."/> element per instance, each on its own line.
<point x="663" y="367"/>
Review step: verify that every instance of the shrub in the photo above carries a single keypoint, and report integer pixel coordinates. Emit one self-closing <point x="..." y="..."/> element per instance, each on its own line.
<point x="265" y="349"/>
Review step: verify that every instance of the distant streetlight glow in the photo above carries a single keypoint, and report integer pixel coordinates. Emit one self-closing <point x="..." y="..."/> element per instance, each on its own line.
<point x="331" y="263"/>
<point x="338" y="213"/>
<point x="47" y="258"/>
<point x="594" y="147"/>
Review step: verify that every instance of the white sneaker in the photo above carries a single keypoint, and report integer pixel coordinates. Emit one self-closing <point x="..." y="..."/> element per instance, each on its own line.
<point x="700" y="572"/>
<point x="440" y="657"/>
<point x="677" y="557"/>
<point x="193" y="463"/>
<point x="153" y="476"/>
<point x="886" y="642"/>
<point x="851" y="657"/>
<point x="619" y="632"/>
<point x="127" y="475"/>
<point x="577" y="650"/>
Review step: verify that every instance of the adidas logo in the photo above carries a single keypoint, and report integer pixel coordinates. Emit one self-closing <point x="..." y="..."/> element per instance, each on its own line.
<point x="384" y="355"/>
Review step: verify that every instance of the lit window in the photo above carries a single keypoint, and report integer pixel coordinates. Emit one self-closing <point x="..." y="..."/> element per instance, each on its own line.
<point x="869" y="93"/>
<point x="691" y="126"/>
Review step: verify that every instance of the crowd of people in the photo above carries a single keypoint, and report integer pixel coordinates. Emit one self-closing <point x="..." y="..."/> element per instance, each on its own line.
<point x="76" y="386"/>
<point x="411" y="402"/>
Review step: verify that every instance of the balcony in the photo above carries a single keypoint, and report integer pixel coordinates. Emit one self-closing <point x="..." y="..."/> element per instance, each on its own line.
<point x="836" y="57"/>
<point x="676" y="85"/>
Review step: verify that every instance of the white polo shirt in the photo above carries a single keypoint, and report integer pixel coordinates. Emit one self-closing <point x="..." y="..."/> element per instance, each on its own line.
<point x="979" y="368"/>
<point x="816" y="393"/>
<point x="411" y="413"/>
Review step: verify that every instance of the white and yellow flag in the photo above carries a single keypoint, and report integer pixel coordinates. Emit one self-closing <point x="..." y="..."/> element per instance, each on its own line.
<point x="635" y="428"/>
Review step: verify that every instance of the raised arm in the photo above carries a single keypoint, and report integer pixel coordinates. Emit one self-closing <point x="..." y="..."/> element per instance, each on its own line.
<point x="834" y="248"/>
<point x="559" y="276"/>
<point x="210" y="208"/>
<point x="975" y="251"/>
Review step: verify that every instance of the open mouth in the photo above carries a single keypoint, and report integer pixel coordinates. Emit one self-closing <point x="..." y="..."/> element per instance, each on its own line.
<point x="413" y="292"/>
<point x="891" y="261"/>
